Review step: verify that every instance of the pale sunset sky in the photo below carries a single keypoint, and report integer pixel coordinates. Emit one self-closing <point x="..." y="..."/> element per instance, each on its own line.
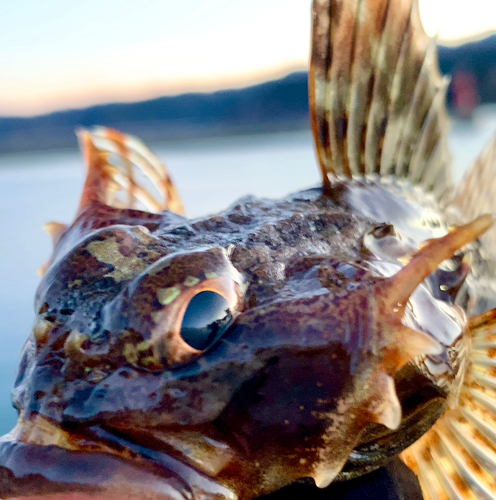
<point x="58" y="54"/>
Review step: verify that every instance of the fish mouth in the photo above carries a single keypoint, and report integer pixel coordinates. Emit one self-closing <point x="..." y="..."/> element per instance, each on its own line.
<point x="422" y="403"/>
<point x="55" y="473"/>
<point x="41" y="460"/>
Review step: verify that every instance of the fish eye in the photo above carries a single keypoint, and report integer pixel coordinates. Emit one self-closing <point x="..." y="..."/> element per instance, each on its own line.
<point x="206" y="319"/>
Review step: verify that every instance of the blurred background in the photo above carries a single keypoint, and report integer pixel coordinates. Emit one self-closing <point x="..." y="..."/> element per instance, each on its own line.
<point x="218" y="89"/>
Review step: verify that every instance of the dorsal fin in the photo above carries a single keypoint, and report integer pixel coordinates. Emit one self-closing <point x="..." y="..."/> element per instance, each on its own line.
<point x="123" y="173"/>
<point x="377" y="98"/>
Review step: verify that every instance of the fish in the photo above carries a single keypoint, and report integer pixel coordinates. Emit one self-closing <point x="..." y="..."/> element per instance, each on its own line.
<point x="316" y="337"/>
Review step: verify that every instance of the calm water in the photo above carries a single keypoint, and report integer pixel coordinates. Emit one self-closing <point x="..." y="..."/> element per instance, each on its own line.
<point x="36" y="188"/>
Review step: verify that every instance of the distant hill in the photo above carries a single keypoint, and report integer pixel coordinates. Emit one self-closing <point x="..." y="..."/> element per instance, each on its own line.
<point x="275" y="105"/>
<point x="272" y="106"/>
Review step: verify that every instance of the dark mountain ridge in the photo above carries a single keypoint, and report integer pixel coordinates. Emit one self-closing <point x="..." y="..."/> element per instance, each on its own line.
<point x="275" y="105"/>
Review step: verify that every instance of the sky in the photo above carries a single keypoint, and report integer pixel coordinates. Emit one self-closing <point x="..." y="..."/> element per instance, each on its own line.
<point x="58" y="54"/>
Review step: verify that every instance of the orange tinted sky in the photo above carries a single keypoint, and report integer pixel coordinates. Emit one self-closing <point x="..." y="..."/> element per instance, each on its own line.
<point x="56" y="54"/>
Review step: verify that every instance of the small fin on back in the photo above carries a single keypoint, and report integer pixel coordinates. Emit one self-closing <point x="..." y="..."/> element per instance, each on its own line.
<point x="377" y="98"/>
<point x="123" y="173"/>
<point x="456" y="459"/>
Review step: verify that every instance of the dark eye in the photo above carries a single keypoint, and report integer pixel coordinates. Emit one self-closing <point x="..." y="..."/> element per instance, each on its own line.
<point x="206" y="319"/>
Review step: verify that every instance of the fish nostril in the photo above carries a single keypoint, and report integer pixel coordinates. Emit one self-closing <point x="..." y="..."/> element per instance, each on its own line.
<point x="382" y="231"/>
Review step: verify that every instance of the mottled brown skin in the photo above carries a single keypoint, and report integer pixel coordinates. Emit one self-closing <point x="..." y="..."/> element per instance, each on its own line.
<point x="294" y="385"/>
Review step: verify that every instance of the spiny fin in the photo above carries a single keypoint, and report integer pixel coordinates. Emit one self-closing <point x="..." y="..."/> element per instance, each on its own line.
<point x="384" y="407"/>
<point x="456" y="459"/>
<point x="377" y="98"/>
<point x="55" y="230"/>
<point x="123" y="173"/>
<point x="476" y="193"/>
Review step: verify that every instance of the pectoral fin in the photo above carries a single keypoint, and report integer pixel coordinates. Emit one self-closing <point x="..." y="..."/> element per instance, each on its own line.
<point x="456" y="459"/>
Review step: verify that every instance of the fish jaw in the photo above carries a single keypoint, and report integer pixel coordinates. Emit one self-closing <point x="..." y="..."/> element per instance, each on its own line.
<point x="40" y="458"/>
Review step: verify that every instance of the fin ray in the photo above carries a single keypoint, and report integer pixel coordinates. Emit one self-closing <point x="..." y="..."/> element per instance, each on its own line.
<point x="374" y="109"/>
<point x="385" y="70"/>
<point x="365" y="54"/>
<point x="344" y="27"/>
<point x="425" y="144"/>
<point x="122" y="172"/>
<point x="462" y="444"/>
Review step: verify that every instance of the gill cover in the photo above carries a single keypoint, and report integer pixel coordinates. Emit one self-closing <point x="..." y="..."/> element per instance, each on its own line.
<point x="386" y="337"/>
<point x="377" y="103"/>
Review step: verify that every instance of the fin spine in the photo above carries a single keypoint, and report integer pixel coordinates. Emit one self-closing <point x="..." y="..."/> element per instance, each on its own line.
<point x="376" y="110"/>
<point x="343" y="53"/>
<point x="425" y="147"/>
<point x="383" y="81"/>
<point x="123" y="173"/>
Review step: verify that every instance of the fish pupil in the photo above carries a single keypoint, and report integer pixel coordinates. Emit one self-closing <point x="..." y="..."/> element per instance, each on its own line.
<point x="206" y="319"/>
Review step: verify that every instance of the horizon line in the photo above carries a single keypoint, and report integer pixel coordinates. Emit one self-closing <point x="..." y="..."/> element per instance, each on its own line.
<point x="150" y="92"/>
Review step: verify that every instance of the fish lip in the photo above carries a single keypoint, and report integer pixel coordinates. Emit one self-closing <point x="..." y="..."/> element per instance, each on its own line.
<point x="33" y="471"/>
<point x="99" y="464"/>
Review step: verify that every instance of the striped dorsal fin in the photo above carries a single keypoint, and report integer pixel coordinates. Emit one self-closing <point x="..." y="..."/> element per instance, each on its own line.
<point x="377" y="98"/>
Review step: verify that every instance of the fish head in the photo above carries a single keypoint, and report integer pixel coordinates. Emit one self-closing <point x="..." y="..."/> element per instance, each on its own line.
<point x="258" y="363"/>
<point x="277" y="341"/>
